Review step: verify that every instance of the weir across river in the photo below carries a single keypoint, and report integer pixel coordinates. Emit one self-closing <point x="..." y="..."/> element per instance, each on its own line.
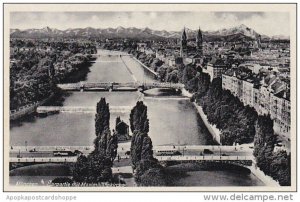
<point x="81" y="109"/>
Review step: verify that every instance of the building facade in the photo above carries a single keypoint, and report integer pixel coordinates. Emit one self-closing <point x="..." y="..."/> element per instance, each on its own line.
<point x="215" y="68"/>
<point x="263" y="99"/>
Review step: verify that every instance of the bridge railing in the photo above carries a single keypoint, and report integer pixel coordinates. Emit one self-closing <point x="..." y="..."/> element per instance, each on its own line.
<point x="159" y="158"/>
<point x="51" y="148"/>
<point x="43" y="160"/>
<point x="204" y="158"/>
<point x="214" y="148"/>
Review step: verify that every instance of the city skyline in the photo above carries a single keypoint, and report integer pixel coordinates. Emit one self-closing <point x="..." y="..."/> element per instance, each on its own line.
<point x="262" y="22"/>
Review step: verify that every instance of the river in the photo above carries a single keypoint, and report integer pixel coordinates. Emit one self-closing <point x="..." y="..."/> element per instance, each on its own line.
<point x="172" y="121"/>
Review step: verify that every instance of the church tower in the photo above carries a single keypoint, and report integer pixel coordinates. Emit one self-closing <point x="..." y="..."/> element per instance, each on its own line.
<point x="183" y="47"/>
<point x="199" y="42"/>
<point x="259" y="41"/>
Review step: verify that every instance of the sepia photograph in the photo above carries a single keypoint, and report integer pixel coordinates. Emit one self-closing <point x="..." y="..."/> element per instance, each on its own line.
<point x="149" y="97"/>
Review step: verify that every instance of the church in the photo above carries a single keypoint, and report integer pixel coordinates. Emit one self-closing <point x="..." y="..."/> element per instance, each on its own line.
<point x="191" y="54"/>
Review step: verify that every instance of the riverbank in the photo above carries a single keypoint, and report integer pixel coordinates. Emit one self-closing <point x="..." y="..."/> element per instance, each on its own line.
<point x="269" y="181"/>
<point x="28" y="109"/>
<point x="214" y="131"/>
<point x="147" y="68"/>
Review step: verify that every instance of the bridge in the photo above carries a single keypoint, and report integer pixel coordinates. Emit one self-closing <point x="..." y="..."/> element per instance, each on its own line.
<point x="112" y="53"/>
<point x="81" y="109"/>
<point x="106" y="61"/>
<point x="186" y="158"/>
<point x="188" y="153"/>
<point x="122" y="146"/>
<point x="117" y="86"/>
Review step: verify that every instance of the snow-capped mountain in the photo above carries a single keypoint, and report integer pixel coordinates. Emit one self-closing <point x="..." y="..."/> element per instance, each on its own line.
<point x="241" y="29"/>
<point x="241" y="32"/>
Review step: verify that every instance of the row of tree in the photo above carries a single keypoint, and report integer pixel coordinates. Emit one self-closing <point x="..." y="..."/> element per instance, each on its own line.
<point x="276" y="164"/>
<point x="227" y="112"/>
<point x="238" y="123"/>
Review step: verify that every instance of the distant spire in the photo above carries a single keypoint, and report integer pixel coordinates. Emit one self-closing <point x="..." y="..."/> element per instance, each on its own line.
<point x="183" y="48"/>
<point x="199" y="37"/>
<point x="183" y="36"/>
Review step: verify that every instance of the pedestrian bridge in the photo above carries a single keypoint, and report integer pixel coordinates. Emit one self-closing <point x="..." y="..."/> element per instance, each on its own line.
<point x="81" y="109"/>
<point x="117" y="86"/>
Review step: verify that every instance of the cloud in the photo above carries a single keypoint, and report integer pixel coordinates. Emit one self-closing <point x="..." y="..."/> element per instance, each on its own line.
<point x="238" y="15"/>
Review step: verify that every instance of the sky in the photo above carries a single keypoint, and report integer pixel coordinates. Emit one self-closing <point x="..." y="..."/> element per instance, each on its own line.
<point x="267" y="23"/>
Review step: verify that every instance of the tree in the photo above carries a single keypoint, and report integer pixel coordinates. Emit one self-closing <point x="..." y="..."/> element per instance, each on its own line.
<point x="281" y="168"/>
<point x="150" y="173"/>
<point x="264" y="143"/>
<point x="105" y="143"/>
<point x="264" y="138"/>
<point x="80" y="169"/>
<point x="141" y="144"/>
<point x="99" y="168"/>
<point x="203" y="84"/>
<point x="102" y="117"/>
<point x="112" y="146"/>
<point x="138" y="118"/>
<point x="96" y="167"/>
<point x="147" y="148"/>
<point x="136" y="147"/>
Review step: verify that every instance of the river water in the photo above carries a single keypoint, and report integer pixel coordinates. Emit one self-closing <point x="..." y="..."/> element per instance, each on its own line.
<point x="172" y="121"/>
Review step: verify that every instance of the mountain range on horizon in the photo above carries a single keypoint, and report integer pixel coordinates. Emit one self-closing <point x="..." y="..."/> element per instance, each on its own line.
<point x="241" y="32"/>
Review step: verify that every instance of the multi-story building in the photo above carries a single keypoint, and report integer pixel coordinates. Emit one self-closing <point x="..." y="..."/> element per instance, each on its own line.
<point x="267" y="97"/>
<point x="141" y="47"/>
<point x="215" y="68"/>
<point x="160" y="54"/>
<point x="247" y="92"/>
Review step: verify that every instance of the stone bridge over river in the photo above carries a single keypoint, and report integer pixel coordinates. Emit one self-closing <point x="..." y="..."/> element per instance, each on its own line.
<point x="113" y="86"/>
<point x="188" y="153"/>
